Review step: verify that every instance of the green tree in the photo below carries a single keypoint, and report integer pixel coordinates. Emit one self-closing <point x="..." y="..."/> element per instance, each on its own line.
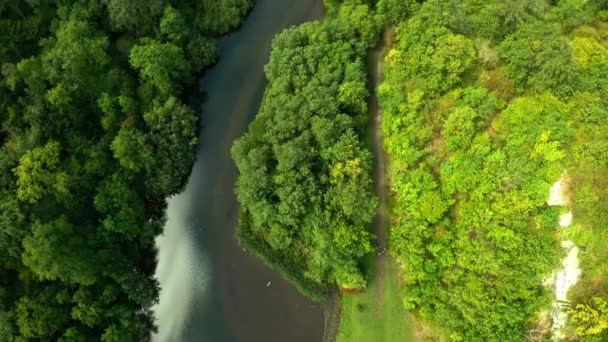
<point x="161" y="64"/>
<point x="121" y="207"/>
<point x="394" y="11"/>
<point x="201" y="52"/>
<point x="132" y="150"/>
<point x="38" y="174"/>
<point x="590" y="319"/>
<point x="173" y="25"/>
<point x="76" y="56"/>
<point x="136" y="16"/>
<point x="520" y="11"/>
<point x="304" y="179"/>
<point x="56" y="250"/>
<point x="173" y="139"/>
<point x="538" y="57"/>
<point x="40" y="316"/>
<point x="92" y="133"/>
<point x="12" y="219"/>
<point x="460" y="127"/>
<point x="217" y="17"/>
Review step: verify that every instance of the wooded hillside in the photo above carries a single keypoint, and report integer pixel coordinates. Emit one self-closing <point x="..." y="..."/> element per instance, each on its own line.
<point x="486" y="104"/>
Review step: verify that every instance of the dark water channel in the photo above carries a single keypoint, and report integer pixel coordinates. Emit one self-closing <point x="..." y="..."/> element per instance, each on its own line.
<point x="211" y="289"/>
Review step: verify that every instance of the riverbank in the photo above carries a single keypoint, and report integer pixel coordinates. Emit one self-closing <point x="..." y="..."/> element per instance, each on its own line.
<point x="231" y="295"/>
<point x="305" y="174"/>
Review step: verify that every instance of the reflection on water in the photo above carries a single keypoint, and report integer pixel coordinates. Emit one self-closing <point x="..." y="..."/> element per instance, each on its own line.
<point x="181" y="270"/>
<point x="211" y="290"/>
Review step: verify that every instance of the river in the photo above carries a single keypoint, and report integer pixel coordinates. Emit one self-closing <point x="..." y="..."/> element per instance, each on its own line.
<point x="211" y="290"/>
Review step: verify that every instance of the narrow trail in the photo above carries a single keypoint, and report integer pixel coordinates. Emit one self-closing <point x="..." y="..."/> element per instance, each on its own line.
<point x="375" y="75"/>
<point x="332" y="318"/>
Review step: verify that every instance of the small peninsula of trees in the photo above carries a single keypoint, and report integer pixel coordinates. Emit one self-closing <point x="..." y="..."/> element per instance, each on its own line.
<point x="305" y="175"/>
<point x="95" y="135"/>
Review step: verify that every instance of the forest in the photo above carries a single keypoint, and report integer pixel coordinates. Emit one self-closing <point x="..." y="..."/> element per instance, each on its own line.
<point x="486" y="105"/>
<point x="97" y="129"/>
<point x="305" y="175"/>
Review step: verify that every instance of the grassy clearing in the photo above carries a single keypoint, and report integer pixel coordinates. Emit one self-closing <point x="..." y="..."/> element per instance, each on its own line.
<point x="367" y="317"/>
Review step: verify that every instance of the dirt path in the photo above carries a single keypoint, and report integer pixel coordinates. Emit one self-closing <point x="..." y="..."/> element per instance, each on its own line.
<point x="374" y="70"/>
<point x="332" y="318"/>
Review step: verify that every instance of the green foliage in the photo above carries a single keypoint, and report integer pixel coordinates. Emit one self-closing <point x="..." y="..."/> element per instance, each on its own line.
<point x="40" y="316"/>
<point x="172" y="137"/>
<point x="591" y="319"/>
<point x="537" y="57"/>
<point x="75" y="56"/>
<point x="55" y="250"/>
<point x="214" y="16"/>
<point x="304" y="182"/>
<point x="38" y="174"/>
<point x="11" y="234"/>
<point x="201" y="51"/>
<point x="131" y="149"/>
<point x="134" y="16"/>
<point x="94" y="137"/>
<point x="173" y="25"/>
<point x="521" y="11"/>
<point x="588" y="168"/>
<point x="161" y="64"/>
<point x="470" y="174"/>
<point x="121" y="205"/>
<point x="393" y="11"/>
<point x="574" y="13"/>
<point x="431" y="55"/>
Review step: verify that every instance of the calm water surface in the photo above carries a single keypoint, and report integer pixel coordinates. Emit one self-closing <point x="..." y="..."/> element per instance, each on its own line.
<point x="211" y="290"/>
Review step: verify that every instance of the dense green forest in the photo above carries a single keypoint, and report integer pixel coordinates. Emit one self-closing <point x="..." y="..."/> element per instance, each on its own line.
<point x="305" y="175"/>
<point x="95" y="134"/>
<point x="486" y="104"/>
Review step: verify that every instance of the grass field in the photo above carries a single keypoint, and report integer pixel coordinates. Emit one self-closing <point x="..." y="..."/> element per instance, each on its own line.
<point x="368" y="317"/>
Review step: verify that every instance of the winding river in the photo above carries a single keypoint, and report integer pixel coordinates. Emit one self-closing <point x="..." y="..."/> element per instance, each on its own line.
<point x="212" y="290"/>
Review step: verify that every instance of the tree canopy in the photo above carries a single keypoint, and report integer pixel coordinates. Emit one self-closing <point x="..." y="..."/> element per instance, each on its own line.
<point x="486" y="104"/>
<point x="95" y="134"/>
<point x="304" y="174"/>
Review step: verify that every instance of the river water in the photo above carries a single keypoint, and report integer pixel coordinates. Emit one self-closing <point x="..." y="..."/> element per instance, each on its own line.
<point x="211" y="290"/>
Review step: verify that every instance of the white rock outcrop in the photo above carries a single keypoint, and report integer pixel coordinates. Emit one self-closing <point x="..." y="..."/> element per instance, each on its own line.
<point x="569" y="272"/>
